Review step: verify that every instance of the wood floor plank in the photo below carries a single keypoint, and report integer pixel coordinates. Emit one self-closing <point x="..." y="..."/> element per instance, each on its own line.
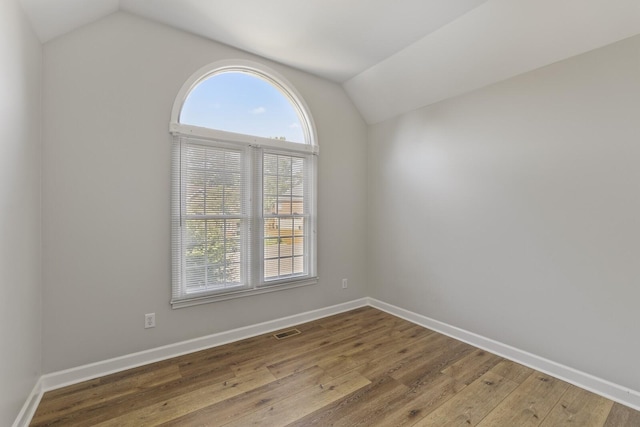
<point x="578" y="407"/>
<point x="366" y="317"/>
<point x="404" y="356"/>
<point x="303" y="403"/>
<point x="512" y="371"/>
<point x="356" y="357"/>
<point x="528" y="404"/>
<point x="471" y="367"/>
<point x="203" y="361"/>
<point x="418" y="401"/>
<point x="472" y="404"/>
<point x="80" y="387"/>
<point x="361" y="407"/>
<point x="102" y="393"/>
<point x="364" y="367"/>
<point x="240" y="353"/>
<point x="434" y="360"/>
<point x="100" y="412"/>
<point x="621" y="416"/>
<point x="354" y="315"/>
<point x="189" y="402"/>
<point x="348" y="345"/>
<point x="252" y="400"/>
<point x="311" y="340"/>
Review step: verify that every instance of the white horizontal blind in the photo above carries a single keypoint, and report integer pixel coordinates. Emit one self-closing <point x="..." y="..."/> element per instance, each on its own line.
<point x="214" y="219"/>
<point x="243" y="219"/>
<point x="286" y="215"/>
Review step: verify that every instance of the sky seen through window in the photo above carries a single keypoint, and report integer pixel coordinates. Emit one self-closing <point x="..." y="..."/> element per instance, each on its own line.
<point x="242" y="103"/>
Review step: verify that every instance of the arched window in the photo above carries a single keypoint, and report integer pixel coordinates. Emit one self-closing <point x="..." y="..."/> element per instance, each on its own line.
<point x="243" y="102"/>
<point x="243" y="185"/>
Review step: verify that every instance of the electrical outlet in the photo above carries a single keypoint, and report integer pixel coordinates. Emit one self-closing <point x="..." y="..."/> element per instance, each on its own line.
<point x="344" y="284"/>
<point x="149" y="320"/>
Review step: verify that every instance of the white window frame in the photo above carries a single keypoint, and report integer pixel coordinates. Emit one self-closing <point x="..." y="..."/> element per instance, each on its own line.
<point x="254" y="147"/>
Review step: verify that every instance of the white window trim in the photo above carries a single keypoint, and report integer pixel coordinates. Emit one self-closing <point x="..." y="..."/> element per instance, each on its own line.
<point x="178" y="129"/>
<point x="310" y="148"/>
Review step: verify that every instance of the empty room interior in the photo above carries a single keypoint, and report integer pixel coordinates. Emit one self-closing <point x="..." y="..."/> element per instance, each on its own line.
<point x="410" y="212"/>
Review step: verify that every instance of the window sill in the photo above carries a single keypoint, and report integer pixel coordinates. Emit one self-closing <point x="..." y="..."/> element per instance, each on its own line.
<point x="206" y="299"/>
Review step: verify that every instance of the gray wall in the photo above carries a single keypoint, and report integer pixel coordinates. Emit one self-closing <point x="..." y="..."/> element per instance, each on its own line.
<point x="108" y="92"/>
<point x="20" y="274"/>
<point x="514" y="212"/>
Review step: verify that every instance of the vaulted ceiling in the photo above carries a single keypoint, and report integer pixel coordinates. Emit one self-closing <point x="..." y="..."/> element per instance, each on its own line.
<point x="392" y="56"/>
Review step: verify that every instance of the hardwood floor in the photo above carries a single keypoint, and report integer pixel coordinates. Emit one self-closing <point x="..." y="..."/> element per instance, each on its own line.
<point x="364" y="367"/>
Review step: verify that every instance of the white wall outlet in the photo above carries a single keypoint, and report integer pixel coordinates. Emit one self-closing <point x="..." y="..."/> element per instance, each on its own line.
<point x="149" y="320"/>
<point x="344" y="284"/>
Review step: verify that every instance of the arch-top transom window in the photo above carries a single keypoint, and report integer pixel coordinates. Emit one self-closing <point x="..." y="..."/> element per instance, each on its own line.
<point x="245" y="103"/>
<point x="243" y="186"/>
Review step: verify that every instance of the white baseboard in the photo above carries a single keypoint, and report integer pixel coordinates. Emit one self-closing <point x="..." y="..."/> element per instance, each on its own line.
<point x="30" y="405"/>
<point x="94" y="370"/>
<point x="615" y="392"/>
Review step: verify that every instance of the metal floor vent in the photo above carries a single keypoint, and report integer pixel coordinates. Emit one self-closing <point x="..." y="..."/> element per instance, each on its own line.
<point x="286" y="334"/>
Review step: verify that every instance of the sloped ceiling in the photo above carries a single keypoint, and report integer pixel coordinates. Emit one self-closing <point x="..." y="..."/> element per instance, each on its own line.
<point x="495" y="41"/>
<point x="51" y="18"/>
<point x="392" y="56"/>
<point x="335" y="39"/>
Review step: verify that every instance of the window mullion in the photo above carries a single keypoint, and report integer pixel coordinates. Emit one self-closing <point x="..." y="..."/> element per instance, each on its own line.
<point x="257" y="224"/>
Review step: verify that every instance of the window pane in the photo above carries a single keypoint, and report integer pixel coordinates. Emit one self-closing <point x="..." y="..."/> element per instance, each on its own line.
<point x="270" y="164"/>
<point x="213" y="181"/>
<point x="195" y="155"/>
<point x="194" y="192"/>
<point x="195" y="279"/>
<point x="297" y="205"/>
<point x="298" y="265"/>
<point x="232" y="194"/>
<point x="283" y="189"/>
<point x="213" y="256"/>
<point x="283" y="184"/>
<point x="270" y="205"/>
<point x="297" y="177"/>
<point x="284" y="205"/>
<point x="286" y="227"/>
<point x="214" y="197"/>
<point x="244" y="103"/>
<point x="298" y="248"/>
<point x="284" y="252"/>
<point x="271" y="185"/>
<point x="271" y="268"/>
<point x="215" y="276"/>
<point x="286" y="266"/>
<point x="214" y="158"/>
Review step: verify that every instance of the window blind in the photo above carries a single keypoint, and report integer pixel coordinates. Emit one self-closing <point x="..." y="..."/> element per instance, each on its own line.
<point x="243" y="218"/>
<point x="213" y="229"/>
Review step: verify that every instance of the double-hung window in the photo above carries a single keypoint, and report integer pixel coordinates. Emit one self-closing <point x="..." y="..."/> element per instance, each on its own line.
<point x="243" y="186"/>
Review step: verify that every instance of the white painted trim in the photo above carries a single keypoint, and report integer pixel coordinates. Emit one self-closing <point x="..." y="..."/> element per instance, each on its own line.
<point x="178" y="129"/>
<point x="604" y="388"/>
<point x="292" y="284"/>
<point x="94" y="370"/>
<point x="30" y="405"/>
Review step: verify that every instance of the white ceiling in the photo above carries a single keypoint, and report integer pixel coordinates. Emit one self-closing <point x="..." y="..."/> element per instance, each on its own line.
<point x="497" y="40"/>
<point x="335" y="39"/>
<point x="391" y="55"/>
